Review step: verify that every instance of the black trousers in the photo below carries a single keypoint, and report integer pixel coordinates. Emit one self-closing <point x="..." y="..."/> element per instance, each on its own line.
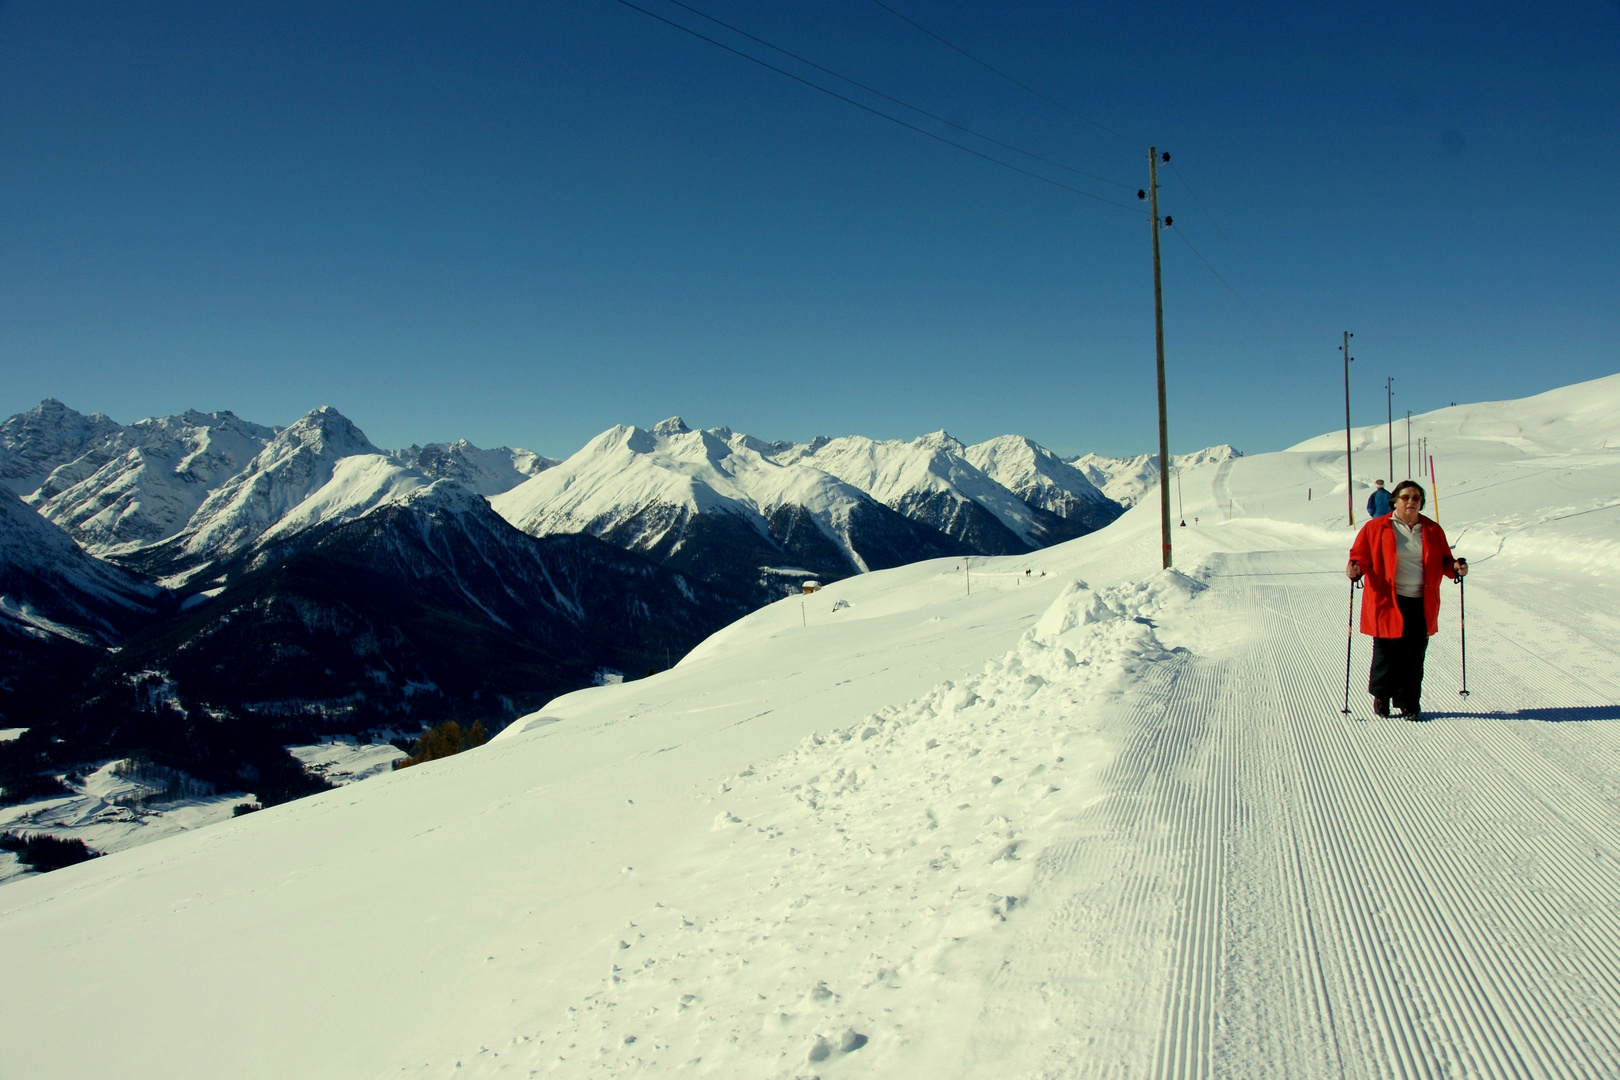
<point x="1397" y="663"/>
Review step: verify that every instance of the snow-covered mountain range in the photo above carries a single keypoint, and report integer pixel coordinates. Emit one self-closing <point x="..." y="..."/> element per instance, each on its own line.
<point x="718" y="505"/>
<point x="290" y="584"/>
<point x="118" y="488"/>
<point x="724" y="505"/>
<point x="1127" y="480"/>
<point x="932" y="480"/>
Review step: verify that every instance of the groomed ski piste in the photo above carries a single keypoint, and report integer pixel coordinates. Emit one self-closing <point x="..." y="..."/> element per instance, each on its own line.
<point x="1067" y="815"/>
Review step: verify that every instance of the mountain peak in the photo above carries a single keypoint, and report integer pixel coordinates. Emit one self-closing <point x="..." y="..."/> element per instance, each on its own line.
<point x="673" y="426"/>
<point x="941" y="440"/>
<point x="327" y="430"/>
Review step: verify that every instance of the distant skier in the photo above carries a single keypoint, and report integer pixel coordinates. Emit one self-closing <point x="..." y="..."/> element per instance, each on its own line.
<point x="1403" y="556"/>
<point x="1378" y="503"/>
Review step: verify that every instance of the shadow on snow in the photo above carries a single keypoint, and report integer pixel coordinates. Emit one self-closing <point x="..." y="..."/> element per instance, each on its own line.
<point x="1551" y="716"/>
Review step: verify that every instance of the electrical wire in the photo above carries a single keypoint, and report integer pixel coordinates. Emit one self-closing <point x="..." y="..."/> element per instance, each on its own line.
<point x="898" y="101"/>
<point x="1103" y="127"/>
<point x="1099" y="125"/>
<point x="966" y="149"/>
<point x="1220" y="279"/>
<point x="1200" y="203"/>
<point x="878" y="112"/>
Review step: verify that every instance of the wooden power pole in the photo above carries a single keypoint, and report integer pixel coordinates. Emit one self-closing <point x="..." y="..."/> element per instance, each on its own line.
<point x="1350" y="473"/>
<point x="1158" y="338"/>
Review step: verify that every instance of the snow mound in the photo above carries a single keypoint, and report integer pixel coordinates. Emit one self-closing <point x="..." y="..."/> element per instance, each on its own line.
<point x="920" y="819"/>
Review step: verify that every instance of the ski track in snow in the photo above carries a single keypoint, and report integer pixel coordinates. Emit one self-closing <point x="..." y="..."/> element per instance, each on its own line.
<point x="1335" y="897"/>
<point x="1143" y="861"/>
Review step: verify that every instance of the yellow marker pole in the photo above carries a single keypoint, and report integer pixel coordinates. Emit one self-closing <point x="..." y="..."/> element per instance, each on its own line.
<point x="1436" y="488"/>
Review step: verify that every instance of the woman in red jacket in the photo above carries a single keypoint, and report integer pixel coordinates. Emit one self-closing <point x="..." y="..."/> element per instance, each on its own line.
<point x="1403" y="556"/>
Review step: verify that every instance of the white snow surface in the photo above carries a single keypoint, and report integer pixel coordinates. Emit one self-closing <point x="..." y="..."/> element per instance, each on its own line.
<point x="345" y="761"/>
<point x="1128" y="480"/>
<point x="358" y="485"/>
<point x="1095" y="818"/>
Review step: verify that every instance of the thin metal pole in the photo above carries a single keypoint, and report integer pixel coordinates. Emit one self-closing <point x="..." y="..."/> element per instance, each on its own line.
<point x="1462" y="627"/>
<point x="1158" y="341"/>
<point x="1408" y="444"/>
<point x="1350" y="472"/>
<point x="1349" y="637"/>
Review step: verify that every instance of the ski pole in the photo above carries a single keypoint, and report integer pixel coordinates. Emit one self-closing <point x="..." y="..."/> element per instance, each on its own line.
<point x="1462" y="626"/>
<point x="1349" y="637"/>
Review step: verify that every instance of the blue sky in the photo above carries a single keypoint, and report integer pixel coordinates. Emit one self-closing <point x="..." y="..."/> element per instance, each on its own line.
<point x="522" y="224"/>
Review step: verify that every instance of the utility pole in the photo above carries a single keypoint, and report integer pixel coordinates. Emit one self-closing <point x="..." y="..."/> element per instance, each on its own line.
<point x="1158" y="338"/>
<point x="1350" y="473"/>
<point x="1389" y="403"/>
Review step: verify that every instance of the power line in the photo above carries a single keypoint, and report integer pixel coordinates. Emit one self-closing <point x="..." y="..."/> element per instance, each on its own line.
<point x="1220" y="279"/>
<point x="1103" y="127"/>
<point x="1217" y="225"/>
<point x="876" y="112"/>
<point x="1277" y="332"/>
<point x="899" y="101"/>
<point x="1099" y="125"/>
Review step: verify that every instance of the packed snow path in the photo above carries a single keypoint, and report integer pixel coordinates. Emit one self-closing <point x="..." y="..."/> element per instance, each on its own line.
<point x="1273" y="889"/>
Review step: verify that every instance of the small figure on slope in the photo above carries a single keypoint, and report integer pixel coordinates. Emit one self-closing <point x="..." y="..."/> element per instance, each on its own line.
<point x="1403" y="555"/>
<point x="1378" y="503"/>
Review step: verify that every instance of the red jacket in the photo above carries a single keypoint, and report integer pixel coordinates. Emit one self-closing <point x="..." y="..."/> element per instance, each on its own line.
<point x="1374" y="552"/>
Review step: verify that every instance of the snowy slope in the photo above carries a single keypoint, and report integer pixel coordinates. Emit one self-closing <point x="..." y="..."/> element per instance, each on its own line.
<point x="159" y="473"/>
<point x="1127" y="480"/>
<point x="899" y="828"/>
<point x="48" y="585"/>
<point x="358" y="484"/>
